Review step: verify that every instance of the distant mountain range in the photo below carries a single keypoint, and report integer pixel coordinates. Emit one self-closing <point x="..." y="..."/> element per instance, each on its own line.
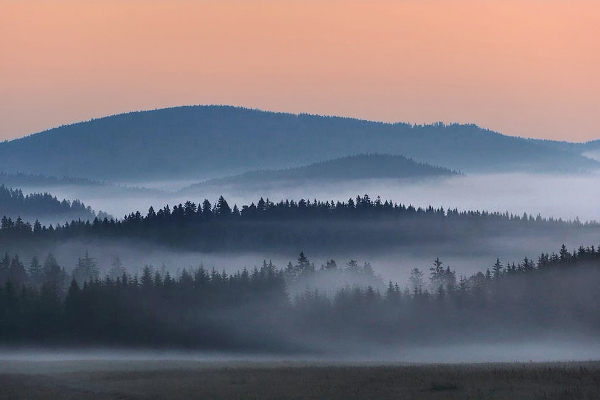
<point x="363" y="166"/>
<point x="201" y="142"/>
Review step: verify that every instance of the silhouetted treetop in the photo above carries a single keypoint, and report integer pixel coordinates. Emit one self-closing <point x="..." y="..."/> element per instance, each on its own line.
<point x="358" y="222"/>
<point x="13" y="203"/>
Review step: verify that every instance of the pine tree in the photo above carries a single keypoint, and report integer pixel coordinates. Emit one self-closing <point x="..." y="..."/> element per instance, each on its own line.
<point x="222" y="208"/>
<point x="86" y="269"/>
<point x="54" y="275"/>
<point x="416" y="281"/>
<point x="116" y="268"/>
<point x="497" y="269"/>
<point x="36" y="273"/>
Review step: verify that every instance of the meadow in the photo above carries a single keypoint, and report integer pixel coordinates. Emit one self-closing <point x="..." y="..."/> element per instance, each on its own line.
<point x="152" y="379"/>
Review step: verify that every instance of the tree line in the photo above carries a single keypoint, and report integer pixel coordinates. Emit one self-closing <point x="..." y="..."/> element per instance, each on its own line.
<point x="43" y="303"/>
<point x="15" y="204"/>
<point x="292" y="224"/>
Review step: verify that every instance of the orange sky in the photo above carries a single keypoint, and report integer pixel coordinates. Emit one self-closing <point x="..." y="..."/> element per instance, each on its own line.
<point x="522" y="67"/>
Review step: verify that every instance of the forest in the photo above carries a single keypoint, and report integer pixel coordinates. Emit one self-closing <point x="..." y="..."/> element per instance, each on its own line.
<point x="201" y="142"/>
<point x="356" y="167"/>
<point x="254" y="310"/>
<point x="360" y="223"/>
<point x="21" y="180"/>
<point x="307" y="200"/>
<point x="15" y="204"/>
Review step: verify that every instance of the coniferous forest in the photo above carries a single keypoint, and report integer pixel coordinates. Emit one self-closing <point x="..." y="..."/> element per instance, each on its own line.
<point x="307" y="200"/>
<point x="277" y="307"/>
<point x="16" y="205"/>
<point x="359" y="223"/>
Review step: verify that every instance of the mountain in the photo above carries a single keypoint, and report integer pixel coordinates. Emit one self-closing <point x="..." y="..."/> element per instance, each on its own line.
<point x="202" y="142"/>
<point x="363" y="166"/>
<point x="585" y="148"/>
<point x="20" y="180"/>
<point x="42" y="206"/>
<point x="592" y="150"/>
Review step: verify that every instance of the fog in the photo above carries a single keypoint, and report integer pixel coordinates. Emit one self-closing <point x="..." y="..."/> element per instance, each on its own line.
<point x="93" y="358"/>
<point x="465" y="254"/>
<point x="547" y="314"/>
<point x="594" y="154"/>
<point x="559" y="196"/>
<point x="119" y="199"/>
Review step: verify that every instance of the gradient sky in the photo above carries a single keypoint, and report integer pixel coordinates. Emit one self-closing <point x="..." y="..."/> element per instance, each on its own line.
<point x="522" y="67"/>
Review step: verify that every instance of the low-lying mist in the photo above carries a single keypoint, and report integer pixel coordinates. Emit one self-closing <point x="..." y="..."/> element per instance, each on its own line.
<point x="11" y="360"/>
<point x="392" y="259"/>
<point x="297" y="310"/>
<point x="558" y="196"/>
<point x="389" y="263"/>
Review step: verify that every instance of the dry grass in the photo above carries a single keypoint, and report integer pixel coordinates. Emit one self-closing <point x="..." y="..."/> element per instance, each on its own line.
<point x="189" y="380"/>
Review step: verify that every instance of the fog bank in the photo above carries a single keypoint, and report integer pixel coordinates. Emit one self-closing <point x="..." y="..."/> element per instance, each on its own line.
<point x="31" y="359"/>
<point x="559" y="196"/>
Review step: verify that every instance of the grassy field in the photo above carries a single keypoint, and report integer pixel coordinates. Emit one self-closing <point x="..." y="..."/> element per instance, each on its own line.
<point x="237" y="380"/>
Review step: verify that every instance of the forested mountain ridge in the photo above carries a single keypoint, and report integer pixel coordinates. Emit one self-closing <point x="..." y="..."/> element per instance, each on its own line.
<point x="573" y="147"/>
<point x="362" y="166"/>
<point x="20" y="179"/>
<point x="15" y="204"/>
<point x="209" y="141"/>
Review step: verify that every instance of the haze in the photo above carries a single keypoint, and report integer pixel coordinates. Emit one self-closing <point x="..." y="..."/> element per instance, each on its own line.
<point x="557" y="196"/>
<point x="338" y="199"/>
<point x="516" y="193"/>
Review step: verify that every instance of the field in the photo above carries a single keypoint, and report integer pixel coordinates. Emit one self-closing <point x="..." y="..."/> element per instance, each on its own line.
<point x="123" y="379"/>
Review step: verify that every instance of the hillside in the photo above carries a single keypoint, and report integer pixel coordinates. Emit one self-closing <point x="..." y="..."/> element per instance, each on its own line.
<point x="592" y="150"/>
<point x="42" y="206"/>
<point x="363" y="166"/>
<point x="584" y="148"/>
<point x="203" y="142"/>
<point x="21" y="180"/>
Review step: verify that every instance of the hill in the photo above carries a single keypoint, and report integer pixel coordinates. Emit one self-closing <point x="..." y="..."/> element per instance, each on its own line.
<point x="362" y="166"/>
<point x="581" y="148"/>
<point x="21" y="180"/>
<point x="42" y="206"/>
<point x="592" y="150"/>
<point x="203" y="142"/>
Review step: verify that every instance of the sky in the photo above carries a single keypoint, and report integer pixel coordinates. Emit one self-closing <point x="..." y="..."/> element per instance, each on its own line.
<point x="521" y="67"/>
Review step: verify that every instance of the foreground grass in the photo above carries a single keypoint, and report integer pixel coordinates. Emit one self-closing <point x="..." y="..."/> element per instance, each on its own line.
<point x="193" y="380"/>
